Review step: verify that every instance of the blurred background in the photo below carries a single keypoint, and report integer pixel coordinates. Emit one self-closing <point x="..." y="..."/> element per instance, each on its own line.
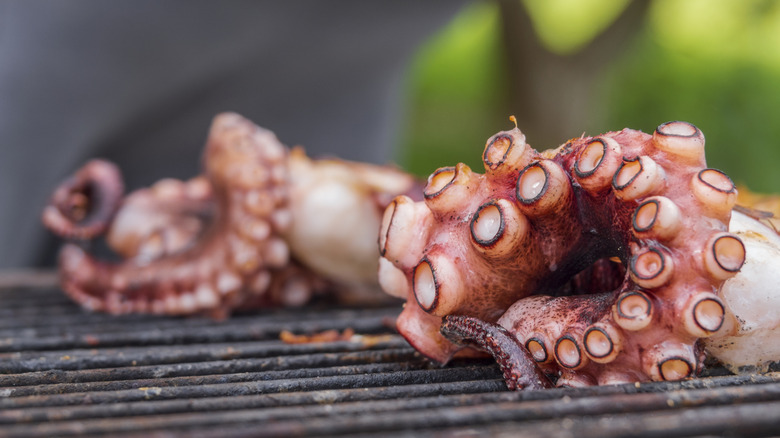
<point x="420" y="84"/>
<point x="565" y="67"/>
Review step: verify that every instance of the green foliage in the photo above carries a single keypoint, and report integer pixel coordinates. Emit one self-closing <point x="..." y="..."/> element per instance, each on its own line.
<point x="565" y="26"/>
<point x="715" y="63"/>
<point x="455" y="84"/>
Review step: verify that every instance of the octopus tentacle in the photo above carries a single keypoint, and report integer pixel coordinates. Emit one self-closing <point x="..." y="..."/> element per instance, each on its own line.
<point x="519" y="369"/>
<point x="246" y="171"/>
<point x="161" y="220"/>
<point x="263" y="226"/>
<point x="83" y="206"/>
<point x="506" y="247"/>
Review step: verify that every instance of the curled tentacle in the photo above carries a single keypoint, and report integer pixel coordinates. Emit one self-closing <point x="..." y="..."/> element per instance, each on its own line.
<point x="519" y="369"/>
<point x="164" y="219"/>
<point x="83" y="206"/>
<point x="242" y="245"/>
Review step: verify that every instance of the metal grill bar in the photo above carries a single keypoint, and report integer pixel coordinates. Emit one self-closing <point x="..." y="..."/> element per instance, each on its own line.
<point x="748" y="420"/>
<point x="251" y="387"/>
<point x="307" y="403"/>
<point x="422" y="414"/>
<point x="66" y="388"/>
<point x="64" y="372"/>
<point x="63" y="381"/>
<point x="153" y="355"/>
<point x="109" y="333"/>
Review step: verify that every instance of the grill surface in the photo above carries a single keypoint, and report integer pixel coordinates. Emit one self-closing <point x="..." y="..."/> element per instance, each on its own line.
<point x="67" y="372"/>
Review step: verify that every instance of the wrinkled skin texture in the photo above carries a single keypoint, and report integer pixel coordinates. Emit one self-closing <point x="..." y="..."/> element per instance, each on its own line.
<point x="604" y="258"/>
<point x="263" y="226"/>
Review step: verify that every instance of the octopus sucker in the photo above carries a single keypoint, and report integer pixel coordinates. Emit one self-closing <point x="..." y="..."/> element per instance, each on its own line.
<point x="262" y="226"/>
<point x="724" y="255"/>
<point x="682" y="139"/>
<point x="537" y="347"/>
<point x="602" y="342"/>
<point x="657" y="217"/>
<point x="543" y="188"/>
<point x="703" y="314"/>
<point x="568" y="353"/>
<point x="597" y="163"/>
<point x="633" y="310"/>
<point x="426" y="288"/>
<point x="715" y="190"/>
<point x="636" y="178"/>
<point x="497" y="227"/>
<point x="671" y="360"/>
<point x="651" y="268"/>
<point x="513" y="248"/>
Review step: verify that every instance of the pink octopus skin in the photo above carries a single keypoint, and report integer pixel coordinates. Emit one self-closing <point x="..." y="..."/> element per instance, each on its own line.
<point x="231" y="238"/>
<point x="603" y="258"/>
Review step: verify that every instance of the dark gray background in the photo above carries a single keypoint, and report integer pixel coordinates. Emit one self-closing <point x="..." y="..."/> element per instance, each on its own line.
<point x="138" y="83"/>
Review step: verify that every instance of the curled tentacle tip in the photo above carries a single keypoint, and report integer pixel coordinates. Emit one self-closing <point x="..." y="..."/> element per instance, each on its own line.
<point x="518" y="366"/>
<point x="513" y="119"/>
<point x="83" y="206"/>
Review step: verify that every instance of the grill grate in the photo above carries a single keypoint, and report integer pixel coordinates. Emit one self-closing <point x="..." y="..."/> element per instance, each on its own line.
<point x="67" y="372"/>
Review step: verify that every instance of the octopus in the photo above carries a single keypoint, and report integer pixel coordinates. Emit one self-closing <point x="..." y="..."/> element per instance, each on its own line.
<point x="611" y="259"/>
<point x="263" y="226"/>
